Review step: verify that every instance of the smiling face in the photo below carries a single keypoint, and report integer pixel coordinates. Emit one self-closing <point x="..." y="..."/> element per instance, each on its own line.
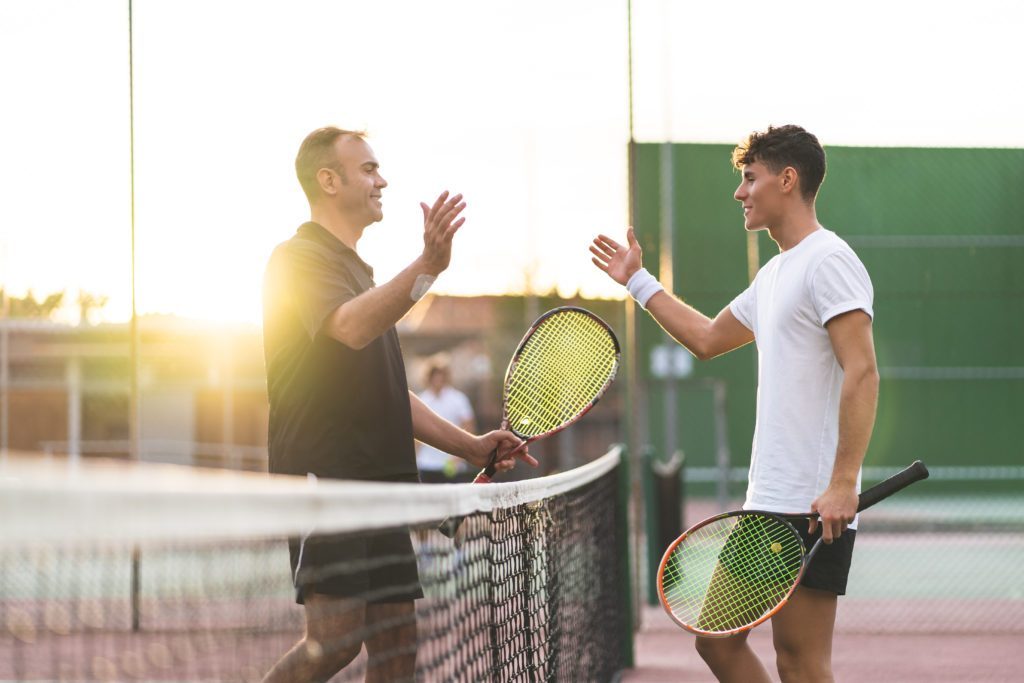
<point x="761" y="193"/>
<point x="354" y="182"/>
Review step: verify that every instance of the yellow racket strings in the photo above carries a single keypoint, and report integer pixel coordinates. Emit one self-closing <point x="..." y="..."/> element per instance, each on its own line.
<point x="731" y="572"/>
<point x="564" y="366"/>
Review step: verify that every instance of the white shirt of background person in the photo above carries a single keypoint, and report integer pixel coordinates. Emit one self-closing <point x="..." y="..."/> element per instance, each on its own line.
<point x="451" y="404"/>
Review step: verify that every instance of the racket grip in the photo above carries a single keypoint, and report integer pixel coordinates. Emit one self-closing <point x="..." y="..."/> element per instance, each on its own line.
<point x="916" y="472"/>
<point x="451" y="525"/>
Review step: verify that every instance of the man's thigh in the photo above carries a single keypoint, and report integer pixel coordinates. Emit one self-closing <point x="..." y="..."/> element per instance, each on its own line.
<point x="804" y="627"/>
<point x="335" y="621"/>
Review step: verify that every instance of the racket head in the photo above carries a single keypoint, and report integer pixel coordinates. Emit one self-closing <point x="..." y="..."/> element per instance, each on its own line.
<point x="731" y="572"/>
<point x="561" y="368"/>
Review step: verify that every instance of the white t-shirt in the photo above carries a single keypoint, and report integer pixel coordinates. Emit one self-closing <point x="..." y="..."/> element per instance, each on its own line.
<point x="798" y="376"/>
<point x="452" y="405"/>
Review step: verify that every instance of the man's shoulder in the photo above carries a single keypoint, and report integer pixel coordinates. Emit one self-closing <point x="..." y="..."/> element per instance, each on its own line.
<point x="829" y="242"/>
<point x="301" y="244"/>
<point x="302" y="251"/>
<point x="826" y="245"/>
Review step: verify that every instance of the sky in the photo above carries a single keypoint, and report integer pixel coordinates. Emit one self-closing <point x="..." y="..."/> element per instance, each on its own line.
<point x="521" y="106"/>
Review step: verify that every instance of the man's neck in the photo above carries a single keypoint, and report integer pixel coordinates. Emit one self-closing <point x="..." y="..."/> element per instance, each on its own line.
<point x="794" y="227"/>
<point x="336" y="223"/>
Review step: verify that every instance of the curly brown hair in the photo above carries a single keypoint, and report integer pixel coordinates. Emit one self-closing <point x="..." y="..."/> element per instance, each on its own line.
<point x="782" y="146"/>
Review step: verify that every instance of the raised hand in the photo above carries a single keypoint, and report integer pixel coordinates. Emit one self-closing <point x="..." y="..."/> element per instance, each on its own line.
<point x="618" y="261"/>
<point x="440" y="223"/>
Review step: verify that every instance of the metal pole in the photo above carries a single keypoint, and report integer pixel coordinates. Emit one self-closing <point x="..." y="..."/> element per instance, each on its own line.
<point x="722" y="455"/>
<point x="633" y="450"/>
<point x="133" y="343"/>
<point x="5" y="378"/>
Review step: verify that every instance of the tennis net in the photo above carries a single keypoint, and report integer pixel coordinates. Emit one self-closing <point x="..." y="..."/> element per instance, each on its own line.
<point x="165" y="573"/>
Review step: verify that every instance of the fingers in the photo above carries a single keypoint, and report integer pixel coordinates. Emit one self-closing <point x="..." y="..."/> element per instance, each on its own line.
<point x="452" y="229"/>
<point x="607" y="244"/>
<point x="444" y="210"/>
<point x="831" y="529"/>
<point x="510" y="448"/>
<point x="631" y="237"/>
<point x="600" y="259"/>
<point x="439" y="201"/>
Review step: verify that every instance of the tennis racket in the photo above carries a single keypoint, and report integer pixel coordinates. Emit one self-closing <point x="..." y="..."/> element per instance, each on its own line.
<point x="733" y="571"/>
<point x="563" y="365"/>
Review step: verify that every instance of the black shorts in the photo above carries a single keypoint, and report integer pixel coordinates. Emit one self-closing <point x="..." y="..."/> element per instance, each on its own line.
<point x="827" y="571"/>
<point x="378" y="566"/>
<point x="830" y="567"/>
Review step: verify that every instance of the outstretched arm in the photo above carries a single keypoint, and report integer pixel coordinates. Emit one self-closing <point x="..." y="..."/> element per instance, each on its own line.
<point x="704" y="337"/>
<point x="852" y="342"/>
<point x="359" y="321"/>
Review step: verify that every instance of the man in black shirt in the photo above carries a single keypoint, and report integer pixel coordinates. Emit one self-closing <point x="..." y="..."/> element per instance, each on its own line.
<point x="340" y="406"/>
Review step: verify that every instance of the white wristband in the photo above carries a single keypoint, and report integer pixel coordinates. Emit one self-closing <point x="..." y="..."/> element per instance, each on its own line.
<point x="421" y="286"/>
<point x="642" y="286"/>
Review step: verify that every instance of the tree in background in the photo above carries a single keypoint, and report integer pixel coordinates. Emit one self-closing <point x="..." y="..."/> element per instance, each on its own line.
<point x="28" y="307"/>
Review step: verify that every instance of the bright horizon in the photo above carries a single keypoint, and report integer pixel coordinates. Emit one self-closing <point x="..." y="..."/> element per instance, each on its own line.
<point x="523" y="108"/>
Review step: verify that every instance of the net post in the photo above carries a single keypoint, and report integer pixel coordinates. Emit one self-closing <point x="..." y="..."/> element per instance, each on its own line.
<point x="622" y="523"/>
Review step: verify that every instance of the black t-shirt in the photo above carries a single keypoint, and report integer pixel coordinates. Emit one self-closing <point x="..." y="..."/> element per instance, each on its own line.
<point x="334" y="411"/>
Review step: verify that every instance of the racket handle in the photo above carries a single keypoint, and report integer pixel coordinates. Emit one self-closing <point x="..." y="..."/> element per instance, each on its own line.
<point x="916" y="472"/>
<point x="451" y="525"/>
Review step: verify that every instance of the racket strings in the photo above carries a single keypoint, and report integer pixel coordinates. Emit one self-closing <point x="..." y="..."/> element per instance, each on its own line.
<point x="731" y="572"/>
<point x="772" y="577"/>
<point x="563" y="368"/>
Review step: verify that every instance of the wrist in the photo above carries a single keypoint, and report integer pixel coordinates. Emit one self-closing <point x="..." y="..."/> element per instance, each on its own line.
<point x="642" y="286"/>
<point x="421" y="285"/>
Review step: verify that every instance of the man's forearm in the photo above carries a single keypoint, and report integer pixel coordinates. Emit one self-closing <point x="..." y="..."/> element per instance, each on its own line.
<point x="434" y="430"/>
<point x="361" y="320"/>
<point x="686" y="324"/>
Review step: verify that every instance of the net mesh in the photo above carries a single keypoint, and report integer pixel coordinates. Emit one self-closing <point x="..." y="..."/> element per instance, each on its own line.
<point x="731" y="572"/>
<point x="532" y="590"/>
<point x="563" y="368"/>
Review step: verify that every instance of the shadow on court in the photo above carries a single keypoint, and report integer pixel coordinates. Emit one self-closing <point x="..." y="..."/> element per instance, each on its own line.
<point x="665" y="653"/>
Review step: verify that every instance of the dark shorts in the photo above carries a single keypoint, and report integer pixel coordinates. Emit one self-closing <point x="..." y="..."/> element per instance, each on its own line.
<point x="378" y="567"/>
<point x="827" y="571"/>
<point x="830" y="566"/>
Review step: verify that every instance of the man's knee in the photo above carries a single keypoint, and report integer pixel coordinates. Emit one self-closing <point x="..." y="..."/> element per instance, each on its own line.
<point x="797" y="664"/>
<point x="328" y="658"/>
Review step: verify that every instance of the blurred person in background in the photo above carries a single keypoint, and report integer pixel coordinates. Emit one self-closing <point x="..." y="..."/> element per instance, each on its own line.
<point x="436" y="466"/>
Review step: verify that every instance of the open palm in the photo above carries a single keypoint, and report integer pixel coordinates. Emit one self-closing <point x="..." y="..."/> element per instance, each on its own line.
<point x="620" y="262"/>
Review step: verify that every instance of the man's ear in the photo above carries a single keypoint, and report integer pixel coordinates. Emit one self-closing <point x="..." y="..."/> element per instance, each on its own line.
<point x="327" y="180"/>
<point x="788" y="180"/>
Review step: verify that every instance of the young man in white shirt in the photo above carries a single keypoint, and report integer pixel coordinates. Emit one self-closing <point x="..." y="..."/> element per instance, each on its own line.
<point x="809" y="310"/>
